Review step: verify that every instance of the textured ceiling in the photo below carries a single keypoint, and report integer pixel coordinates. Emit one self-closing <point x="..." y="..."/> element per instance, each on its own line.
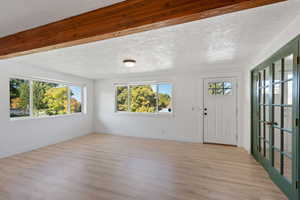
<point x="231" y="40"/>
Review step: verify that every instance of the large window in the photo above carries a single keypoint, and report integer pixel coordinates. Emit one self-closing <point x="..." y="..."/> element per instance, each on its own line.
<point x="32" y="98"/>
<point x="144" y="98"/>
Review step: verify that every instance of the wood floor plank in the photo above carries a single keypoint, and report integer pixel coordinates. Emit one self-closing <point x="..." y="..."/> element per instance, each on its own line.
<point x="122" y="168"/>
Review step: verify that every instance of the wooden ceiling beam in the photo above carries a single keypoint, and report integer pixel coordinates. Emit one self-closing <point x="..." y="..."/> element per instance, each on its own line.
<point x="120" y="19"/>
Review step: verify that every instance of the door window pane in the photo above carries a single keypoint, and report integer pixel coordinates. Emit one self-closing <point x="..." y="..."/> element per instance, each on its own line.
<point x="268" y="96"/>
<point x="287" y="143"/>
<point x="212" y="85"/>
<point x="211" y="91"/>
<point x="267" y="76"/>
<point x="267" y="135"/>
<point x="277" y="160"/>
<point x="262" y="78"/>
<point x="164" y="98"/>
<point x="288" y="93"/>
<point x="288" y="67"/>
<point x="219" y="85"/>
<point x="288" y="122"/>
<point x="277" y="94"/>
<point x="219" y="91"/>
<point x="277" y="71"/>
<point x="287" y="170"/>
<point x="261" y="112"/>
<point x="75" y="99"/>
<point x="19" y="98"/>
<point x="267" y="111"/>
<point x="277" y="115"/>
<point x="228" y="91"/>
<point x="277" y="138"/>
<point x="267" y="151"/>
<point x="261" y="129"/>
<point x="262" y="147"/>
<point x="262" y="96"/>
<point x="227" y="85"/>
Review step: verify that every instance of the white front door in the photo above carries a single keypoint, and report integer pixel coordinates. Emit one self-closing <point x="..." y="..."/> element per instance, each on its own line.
<point x="220" y="111"/>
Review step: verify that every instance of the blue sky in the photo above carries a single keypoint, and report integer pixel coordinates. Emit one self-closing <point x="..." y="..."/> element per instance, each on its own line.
<point x="76" y="92"/>
<point x="163" y="88"/>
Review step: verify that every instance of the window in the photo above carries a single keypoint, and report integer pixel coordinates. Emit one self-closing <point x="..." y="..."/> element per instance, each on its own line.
<point x="122" y="98"/>
<point x="42" y="98"/>
<point x="164" y="98"/>
<point x="19" y="98"/>
<point x="144" y="98"/>
<point x="220" y="88"/>
<point x="76" y="102"/>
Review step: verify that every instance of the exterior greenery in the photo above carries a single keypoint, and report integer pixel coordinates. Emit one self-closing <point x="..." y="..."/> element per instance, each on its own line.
<point x="142" y="99"/>
<point x="47" y="98"/>
<point x="19" y="98"/>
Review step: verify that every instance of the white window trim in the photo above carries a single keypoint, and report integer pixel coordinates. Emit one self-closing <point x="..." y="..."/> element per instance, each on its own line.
<point x="67" y="84"/>
<point x="128" y="84"/>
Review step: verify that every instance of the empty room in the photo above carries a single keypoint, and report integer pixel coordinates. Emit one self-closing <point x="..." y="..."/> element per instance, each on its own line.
<point x="150" y="100"/>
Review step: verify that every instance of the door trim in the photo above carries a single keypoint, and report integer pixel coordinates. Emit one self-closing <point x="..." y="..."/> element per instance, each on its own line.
<point x="236" y="80"/>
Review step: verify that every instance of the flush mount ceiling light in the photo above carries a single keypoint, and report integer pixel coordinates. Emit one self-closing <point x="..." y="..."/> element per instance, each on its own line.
<point x="129" y="63"/>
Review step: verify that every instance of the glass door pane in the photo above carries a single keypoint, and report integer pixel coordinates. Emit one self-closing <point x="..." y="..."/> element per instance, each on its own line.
<point x="264" y="90"/>
<point x="283" y="116"/>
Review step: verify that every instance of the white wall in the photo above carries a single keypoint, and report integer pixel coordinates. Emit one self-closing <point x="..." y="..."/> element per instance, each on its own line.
<point x="289" y="33"/>
<point x="24" y="135"/>
<point x="185" y="125"/>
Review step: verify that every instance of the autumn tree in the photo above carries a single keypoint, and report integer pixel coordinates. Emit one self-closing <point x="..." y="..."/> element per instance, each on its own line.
<point x="39" y="91"/>
<point x="164" y="101"/>
<point x="143" y="99"/>
<point x="122" y="98"/>
<point x="56" y="100"/>
<point x="75" y="106"/>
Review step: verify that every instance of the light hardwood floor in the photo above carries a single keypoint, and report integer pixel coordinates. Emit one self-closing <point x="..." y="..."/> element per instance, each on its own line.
<point x="103" y="167"/>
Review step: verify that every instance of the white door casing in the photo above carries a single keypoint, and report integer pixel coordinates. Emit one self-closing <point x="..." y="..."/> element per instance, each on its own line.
<point x="220" y="111"/>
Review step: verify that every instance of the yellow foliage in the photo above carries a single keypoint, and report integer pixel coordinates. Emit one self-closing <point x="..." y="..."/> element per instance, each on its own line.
<point x="16" y="103"/>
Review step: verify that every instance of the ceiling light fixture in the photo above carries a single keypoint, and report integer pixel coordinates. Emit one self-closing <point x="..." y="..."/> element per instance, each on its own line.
<point x="129" y="63"/>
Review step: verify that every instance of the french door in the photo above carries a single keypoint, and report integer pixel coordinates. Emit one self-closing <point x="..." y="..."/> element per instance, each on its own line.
<point x="275" y="114"/>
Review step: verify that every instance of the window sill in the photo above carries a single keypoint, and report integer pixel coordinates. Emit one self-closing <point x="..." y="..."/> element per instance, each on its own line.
<point x="47" y="117"/>
<point x="166" y="115"/>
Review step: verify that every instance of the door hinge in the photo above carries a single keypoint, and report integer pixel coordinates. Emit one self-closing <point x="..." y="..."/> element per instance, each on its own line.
<point x="297" y="184"/>
<point x="296" y="122"/>
<point x="298" y="60"/>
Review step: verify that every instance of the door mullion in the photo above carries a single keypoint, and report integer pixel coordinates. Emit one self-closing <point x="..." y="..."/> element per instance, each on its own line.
<point x="264" y="114"/>
<point x="272" y="70"/>
<point x="282" y="119"/>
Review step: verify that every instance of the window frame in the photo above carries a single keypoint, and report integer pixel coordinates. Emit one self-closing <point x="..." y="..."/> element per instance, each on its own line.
<point x="156" y="113"/>
<point x="45" y="80"/>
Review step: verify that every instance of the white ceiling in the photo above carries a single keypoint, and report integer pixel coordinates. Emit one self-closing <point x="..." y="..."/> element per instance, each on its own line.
<point x="231" y="40"/>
